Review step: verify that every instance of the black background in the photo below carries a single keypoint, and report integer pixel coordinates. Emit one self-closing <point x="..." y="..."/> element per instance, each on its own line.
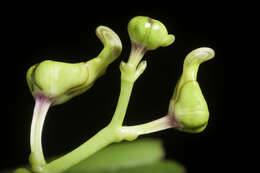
<point x="31" y="36"/>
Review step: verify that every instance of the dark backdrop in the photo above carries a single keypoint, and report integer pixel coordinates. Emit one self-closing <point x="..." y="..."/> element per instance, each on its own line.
<point x="69" y="35"/>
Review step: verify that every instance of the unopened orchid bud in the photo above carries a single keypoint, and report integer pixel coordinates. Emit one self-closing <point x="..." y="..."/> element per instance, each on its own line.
<point x="61" y="81"/>
<point x="145" y="34"/>
<point x="188" y="105"/>
<point x="149" y="33"/>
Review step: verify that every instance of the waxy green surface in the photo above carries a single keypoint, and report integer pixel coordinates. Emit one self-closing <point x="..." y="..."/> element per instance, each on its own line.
<point x="149" y="32"/>
<point x="188" y="104"/>
<point x="62" y="81"/>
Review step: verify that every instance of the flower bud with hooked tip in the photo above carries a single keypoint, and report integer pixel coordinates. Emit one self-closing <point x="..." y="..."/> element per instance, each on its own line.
<point x="188" y="105"/>
<point x="61" y="81"/>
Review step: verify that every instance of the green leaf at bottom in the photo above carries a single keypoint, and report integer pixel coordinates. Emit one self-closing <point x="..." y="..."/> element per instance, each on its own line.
<point x="122" y="155"/>
<point x="141" y="156"/>
<point x="166" y="166"/>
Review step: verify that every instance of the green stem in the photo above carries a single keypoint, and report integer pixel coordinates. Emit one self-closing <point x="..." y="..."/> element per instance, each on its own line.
<point x="130" y="71"/>
<point x="125" y="93"/>
<point x="103" y="138"/>
<point x="163" y="123"/>
<point x="106" y="136"/>
<point x="136" y="54"/>
<point x="113" y="132"/>
<point x="41" y="107"/>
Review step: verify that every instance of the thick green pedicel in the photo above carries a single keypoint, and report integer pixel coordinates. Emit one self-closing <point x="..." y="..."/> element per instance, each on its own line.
<point x="149" y="33"/>
<point x="187" y="104"/>
<point x="61" y="81"/>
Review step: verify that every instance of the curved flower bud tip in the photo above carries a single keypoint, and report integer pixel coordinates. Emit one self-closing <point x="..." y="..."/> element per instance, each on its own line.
<point x="149" y="32"/>
<point x="61" y="81"/>
<point x="111" y="42"/>
<point x="187" y="104"/>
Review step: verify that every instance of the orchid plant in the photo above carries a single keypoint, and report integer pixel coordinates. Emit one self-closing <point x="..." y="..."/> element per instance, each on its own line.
<point x="52" y="83"/>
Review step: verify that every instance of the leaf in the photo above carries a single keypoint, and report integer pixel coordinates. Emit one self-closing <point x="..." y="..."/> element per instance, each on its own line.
<point x="121" y="156"/>
<point x="167" y="166"/>
<point x="141" y="156"/>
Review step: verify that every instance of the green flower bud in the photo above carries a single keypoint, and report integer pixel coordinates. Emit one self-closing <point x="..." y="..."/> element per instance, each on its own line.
<point x="61" y="81"/>
<point x="191" y="110"/>
<point x="149" y="33"/>
<point x="57" y="80"/>
<point x="188" y="104"/>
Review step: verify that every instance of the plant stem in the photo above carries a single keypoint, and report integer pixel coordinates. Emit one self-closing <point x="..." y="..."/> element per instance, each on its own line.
<point x="136" y="54"/>
<point x="129" y="74"/>
<point x="103" y="138"/>
<point x="41" y="107"/>
<point x="125" y="93"/>
<point x="106" y="136"/>
<point x="113" y="132"/>
<point x="163" y="123"/>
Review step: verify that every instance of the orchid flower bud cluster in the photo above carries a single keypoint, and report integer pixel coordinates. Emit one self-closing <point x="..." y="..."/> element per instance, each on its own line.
<point x="52" y="83"/>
